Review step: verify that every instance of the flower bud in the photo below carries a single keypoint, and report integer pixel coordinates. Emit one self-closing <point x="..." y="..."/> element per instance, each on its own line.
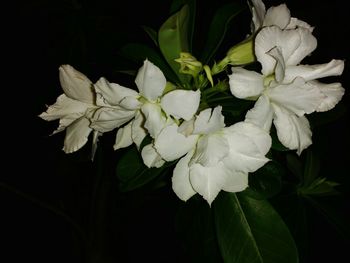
<point x="189" y="64"/>
<point x="241" y="53"/>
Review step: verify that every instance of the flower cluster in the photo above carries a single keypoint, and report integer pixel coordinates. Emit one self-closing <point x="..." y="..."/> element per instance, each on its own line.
<point x="210" y="155"/>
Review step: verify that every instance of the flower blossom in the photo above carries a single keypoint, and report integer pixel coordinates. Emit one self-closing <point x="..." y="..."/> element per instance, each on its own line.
<point x="286" y="90"/>
<point x="213" y="157"/>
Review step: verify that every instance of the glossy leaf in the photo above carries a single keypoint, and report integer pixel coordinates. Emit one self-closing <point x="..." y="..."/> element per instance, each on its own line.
<point x="251" y="231"/>
<point x="139" y="52"/>
<point x="173" y="39"/>
<point x="217" y="29"/>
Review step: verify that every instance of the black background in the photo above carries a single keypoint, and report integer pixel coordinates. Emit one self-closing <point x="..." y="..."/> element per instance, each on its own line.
<point x="87" y="34"/>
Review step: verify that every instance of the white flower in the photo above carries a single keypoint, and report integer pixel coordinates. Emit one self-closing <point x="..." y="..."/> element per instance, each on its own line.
<point x="214" y="157"/>
<point x="286" y="91"/>
<point x="274" y="16"/>
<point x="72" y="108"/>
<point x="153" y="111"/>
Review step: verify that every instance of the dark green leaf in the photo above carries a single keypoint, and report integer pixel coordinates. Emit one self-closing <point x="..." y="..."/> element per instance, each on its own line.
<point x="295" y="165"/>
<point x="152" y="34"/>
<point x="195" y="227"/>
<point x="218" y="28"/>
<point x="312" y="167"/>
<point x="265" y="182"/>
<point x="132" y="172"/>
<point x="251" y="231"/>
<point x="173" y="39"/>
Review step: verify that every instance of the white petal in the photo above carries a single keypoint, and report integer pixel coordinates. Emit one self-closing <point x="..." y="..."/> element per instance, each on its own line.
<point x="65" y="107"/>
<point x="181" y="178"/>
<point x="298" y="96"/>
<point x="150" y="157"/>
<point x="208" y="121"/>
<point x="308" y="44"/>
<point x="269" y="37"/>
<point x="258" y="13"/>
<point x="76" y="135"/>
<point x="138" y="132"/>
<point x="95" y="136"/>
<point x="76" y="85"/>
<point x="150" y="81"/>
<point x="187" y="127"/>
<point x="211" y="149"/>
<point x="296" y="23"/>
<point x="171" y="144"/>
<point x="107" y="119"/>
<point x="311" y="72"/>
<point x="245" y="83"/>
<point x="112" y="94"/>
<point x="236" y="182"/>
<point x="208" y="181"/>
<point x="333" y="93"/>
<point x="245" y="154"/>
<point x="280" y="66"/>
<point x="261" y="114"/>
<point x="292" y="131"/>
<point x="181" y="103"/>
<point x="155" y="119"/>
<point x="123" y="138"/>
<point x="277" y="16"/>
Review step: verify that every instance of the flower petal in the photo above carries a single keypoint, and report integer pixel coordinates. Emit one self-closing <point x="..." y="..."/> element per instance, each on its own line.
<point x="211" y="149"/>
<point x="261" y="114"/>
<point x="280" y="66"/>
<point x="150" y="81"/>
<point x="236" y="182"/>
<point x="138" y="132"/>
<point x="76" y="135"/>
<point x="208" y="121"/>
<point x="245" y="83"/>
<point x="123" y="138"/>
<point x="76" y="85"/>
<point x="296" y="23"/>
<point x="292" y="131"/>
<point x="181" y="178"/>
<point x="277" y="16"/>
<point x="311" y="72"/>
<point x="181" y="103"/>
<point x="333" y="93"/>
<point x="150" y="157"/>
<point x="298" y="96"/>
<point x="112" y="94"/>
<point x="171" y="144"/>
<point x="258" y="13"/>
<point x="269" y="37"/>
<point x="208" y="181"/>
<point x="155" y="119"/>
<point x="107" y="119"/>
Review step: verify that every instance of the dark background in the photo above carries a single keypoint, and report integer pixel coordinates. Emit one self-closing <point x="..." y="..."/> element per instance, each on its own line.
<point x="38" y="176"/>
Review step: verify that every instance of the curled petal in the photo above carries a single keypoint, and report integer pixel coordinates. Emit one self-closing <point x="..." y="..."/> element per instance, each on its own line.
<point x="181" y="178"/>
<point x="112" y="94"/>
<point x="76" y="135"/>
<point x="298" y="96"/>
<point x="209" y="121"/>
<point x="76" y="85"/>
<point x="245" y="83"/>
<point x="171" y="144"/>
<point x="261" y="114"/>
<point x="181" y="103"/>
<point x="258" y="13"/>
<point x="292" y="131"/>
<point x="123" y="138"/>
<point x="150" y="157"/>
<point x="150" y="81"/>
<point x="155" y="119"/>
<point x="138" y="132"/>
<point x="277" y="16"/>
<point x="280" y="67"/>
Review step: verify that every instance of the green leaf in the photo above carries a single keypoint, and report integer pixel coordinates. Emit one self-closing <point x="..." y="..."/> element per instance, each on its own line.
<point x="196" y="229"/>
<point x="152" y="34"/>
<point x="218" y="28"/>
<point x="139" y="52"/>
<point x="266" y="182"/>
<point x="312" y="167"/>
<point x="295" y="165"/>
<point x="173" y="39"/>
<point x="132" y="172"/>
<point x="251" y="231"/>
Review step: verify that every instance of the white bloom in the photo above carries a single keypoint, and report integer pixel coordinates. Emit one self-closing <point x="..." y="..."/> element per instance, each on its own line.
<point x="72" y="108"/>
<point x="152" y="109"/>
<point x="286" y="91"/>
<point x="214" y="157"/>
<point x="274" y="16"/>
